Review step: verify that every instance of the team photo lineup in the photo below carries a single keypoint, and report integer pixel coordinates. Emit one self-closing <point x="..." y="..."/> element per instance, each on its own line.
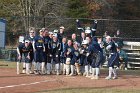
<point x="54" y="52"/>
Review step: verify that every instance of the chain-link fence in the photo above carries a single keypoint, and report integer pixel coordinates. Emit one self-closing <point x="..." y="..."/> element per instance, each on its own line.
<point x="16" y="26"/>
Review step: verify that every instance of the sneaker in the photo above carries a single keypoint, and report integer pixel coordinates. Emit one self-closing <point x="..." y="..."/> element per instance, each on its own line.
<point x="93" y="77"/>
<point x="18" y="73"/>
<point x="87" y="75"/>
<point x="71" y="74"/>
<point x="117" y="67"/>
<point x="125" y="68"/>
<point x="108" y="78"/>
<point x="40" y="72"/>
<point x="57" y="73"/>
<point x="43" y="73"/>
<point x="48" y="72"/>
<point x="96" y="77"/>
<point x="31" y="72"/>
<point x="115" y="77"/>
<point x="67" y="74"/>
<point x="79" y="74"/>
<point x="36" y="72"/>
<point x="27" y="73"/>
<point x="84" y="74"/>
<point x="23" y="71"/>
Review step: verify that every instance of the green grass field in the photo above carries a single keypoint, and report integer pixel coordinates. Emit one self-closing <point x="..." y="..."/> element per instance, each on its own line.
<point x="8" y="64"/>
<point x="90" y="90"/>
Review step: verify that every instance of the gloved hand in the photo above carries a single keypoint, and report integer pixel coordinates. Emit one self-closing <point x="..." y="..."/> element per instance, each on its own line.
<point x="77" y="20"/>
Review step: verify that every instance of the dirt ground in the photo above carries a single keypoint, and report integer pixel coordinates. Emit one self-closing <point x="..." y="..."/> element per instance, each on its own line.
<point x="10" y="82"/>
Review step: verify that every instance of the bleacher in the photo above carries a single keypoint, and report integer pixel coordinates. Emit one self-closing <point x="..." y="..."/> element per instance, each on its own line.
<point x="133" y="51"/>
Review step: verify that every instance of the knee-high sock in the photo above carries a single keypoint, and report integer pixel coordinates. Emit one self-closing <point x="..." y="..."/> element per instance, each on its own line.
<point x="48" y="67"/>
<point x="93" y="71"/>
<point x="35" y="65"/>
<point x="86" y="69"/>
<point x="67" y="69"/>
<point x="38" y="66"/>
<point x="61" y="67"/>
<point x="110" y="71"/>
<point x="78" y="69"/>
<point x="57" y="67"/>
<point x="27" y="68"/>
<point x="72" y="69"/>
<point x="18" y="66"/>
<point x="24" y="65"/>
<point x="114" y="72"/>
<point x="43" y="66"/>
<point x="64" y="68"/>
<point x="97" y="71"/>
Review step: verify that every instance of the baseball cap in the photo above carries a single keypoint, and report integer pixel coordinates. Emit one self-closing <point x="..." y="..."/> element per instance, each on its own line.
<point x="108" y="37"/>
<point x="62" y="27"/>
<point x="54" y="35"/>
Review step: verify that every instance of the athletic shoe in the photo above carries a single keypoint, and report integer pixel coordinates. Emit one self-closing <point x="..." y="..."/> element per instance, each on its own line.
<point x="48" y="72"/>
<point x="79" y="74"/>
<point x="57" y="73"/>
<point x="40" y="72"/>
<point x="31" y="72"/>
<point x="108" y="78"/>
<point x="89" y="76"/>
<point x="96" y="77"/>
<point x="43" y="73"/>
<point x="23" y="71"/>
<point x="115" y="77"/>
<point x="125" y="68"/>
<point x="84" y="74"/>
<point x="36" y="72"/>
<point x="93" y="77"/>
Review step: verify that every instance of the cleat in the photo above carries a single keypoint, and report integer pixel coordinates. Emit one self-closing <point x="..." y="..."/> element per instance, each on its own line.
<point x="48" y="72"/>
<point x="23" y="71"/>
<point x="39" y="72"/>
<point x="93" y="77"/>
<point x="89" y="76"/>
<point x="57" y="73"/>
<point x="115" y="78"/>
<point x="71" y="74"/>
<point x="36" y="72"/>
<point x="125" y="68"/>
<point x="108" y="78"/>
<point x="27" y="73"/>
<point x="67" y="75"/>
<point x="31" y="72"/>
<point x="84" y="74"/>
<point x="96" y="77"/>
<point x="79" y="74"/>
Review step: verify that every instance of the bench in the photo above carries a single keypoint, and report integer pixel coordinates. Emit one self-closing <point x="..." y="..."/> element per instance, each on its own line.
<point x="133" y="51"/>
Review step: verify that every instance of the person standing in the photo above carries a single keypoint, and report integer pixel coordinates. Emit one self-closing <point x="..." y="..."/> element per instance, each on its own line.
<point x="84" y="53"/>
<point x="39" y="49"/>
<point x="68" y="52"/>
<point x="113" y="59"/>
<point x="63" y="56"/>
<point x="56" y="49"/>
